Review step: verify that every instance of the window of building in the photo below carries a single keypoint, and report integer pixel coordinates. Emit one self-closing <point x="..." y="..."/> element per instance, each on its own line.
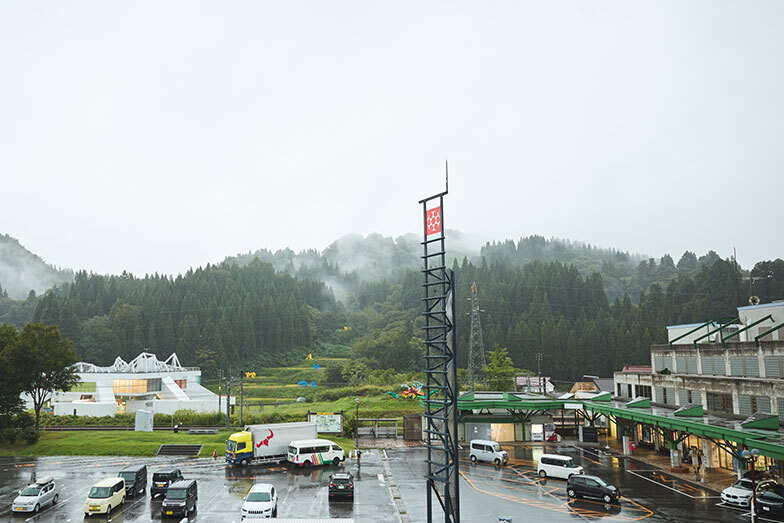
<point x="183" y="384"/>
<point x="748" y="404"/>
<point x="138" y="386"/>
<point x="691" y="364"/>
<point x="680" y="364"/>
<point x="736" y="366"/>
<point x="706" y="365"/>
<point x="773" y="366"/>
<point x="719" y="402"/>
<point x="84" y="386"/>
<point x="751" y="366"/>
<point x="645" y="391"/>
<point x="719" y="366"/>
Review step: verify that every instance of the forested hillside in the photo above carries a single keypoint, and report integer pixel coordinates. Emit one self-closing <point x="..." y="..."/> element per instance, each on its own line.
<point x="246" y="313"/>
<point x="22" y="271"/>
<point x="216" y="316"/>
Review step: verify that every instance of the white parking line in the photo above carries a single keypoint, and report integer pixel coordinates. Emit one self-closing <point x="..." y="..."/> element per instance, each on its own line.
<point x="660" y="484"/>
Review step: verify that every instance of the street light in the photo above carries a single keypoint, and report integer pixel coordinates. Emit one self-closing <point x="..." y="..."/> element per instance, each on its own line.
<point x="752" y="456"/>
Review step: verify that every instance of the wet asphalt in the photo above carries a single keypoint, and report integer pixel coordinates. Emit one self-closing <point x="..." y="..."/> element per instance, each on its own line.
<point x="389" y="486"/>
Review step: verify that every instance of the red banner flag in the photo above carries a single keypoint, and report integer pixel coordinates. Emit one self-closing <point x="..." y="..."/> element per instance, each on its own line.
<point x="433" y="220"/>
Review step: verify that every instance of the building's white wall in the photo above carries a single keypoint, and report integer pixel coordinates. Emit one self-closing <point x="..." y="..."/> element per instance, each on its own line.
<point x="673" y="331"/>
<point x="752" y="313"/>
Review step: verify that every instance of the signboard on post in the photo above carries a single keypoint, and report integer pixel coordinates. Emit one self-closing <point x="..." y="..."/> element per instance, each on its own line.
<point x="327" y="422"/>
<point x="573" y="406"/>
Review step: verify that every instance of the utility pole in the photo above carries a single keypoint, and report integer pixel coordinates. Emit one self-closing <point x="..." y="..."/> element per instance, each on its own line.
<point x="242" y="382"/>
<point x="220" y="377"/>
<point x="228" y="398"/>
<point x="539" y="371"/>
<point x="476" y="348"/>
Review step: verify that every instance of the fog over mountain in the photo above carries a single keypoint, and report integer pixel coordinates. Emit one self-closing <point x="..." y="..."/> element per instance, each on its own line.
<point x="22" y="271"/>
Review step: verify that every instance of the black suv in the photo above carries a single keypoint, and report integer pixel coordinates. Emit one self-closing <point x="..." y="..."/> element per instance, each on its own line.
<point x="591" y="487"/>
<point x="162" y="479"/>
<point x="771" y="502"/>
<point x="341" y="484"/>
<point x="180" y="498"/>
<point x="135" y="478"/>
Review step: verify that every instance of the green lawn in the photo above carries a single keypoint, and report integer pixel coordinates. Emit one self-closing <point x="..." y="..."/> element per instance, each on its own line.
<point x="125" y="443"/>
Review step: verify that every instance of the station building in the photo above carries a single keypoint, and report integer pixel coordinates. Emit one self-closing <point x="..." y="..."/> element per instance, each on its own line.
<point x="143" y="383"/>
<point x="727" y="373"/>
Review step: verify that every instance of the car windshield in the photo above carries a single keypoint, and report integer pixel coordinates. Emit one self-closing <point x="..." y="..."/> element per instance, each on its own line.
<point x="175" y="493"/>
<point x="128" y="476"/>
<point x="231" y="446"/>
<point x="31" y="491"/>
<point x="496" y="447"/>
<point x="100" y="492"/>
<point x="775" y="494"/>
<point x="292" y="450"/>
<point x="569" y="464"/>
<point x="742" y="484"/>
<point x="258" y="496"/>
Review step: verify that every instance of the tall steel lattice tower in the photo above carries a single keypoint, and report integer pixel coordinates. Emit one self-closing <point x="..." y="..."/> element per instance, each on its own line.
<point x="476" y="348"/>
<point x="440" y="366"/>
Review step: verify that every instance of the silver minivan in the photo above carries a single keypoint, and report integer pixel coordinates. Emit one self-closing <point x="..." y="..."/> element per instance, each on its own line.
<point x="486" y="450"/>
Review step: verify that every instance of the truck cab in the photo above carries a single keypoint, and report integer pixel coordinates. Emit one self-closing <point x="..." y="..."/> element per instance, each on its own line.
<point x="239" y="448"/>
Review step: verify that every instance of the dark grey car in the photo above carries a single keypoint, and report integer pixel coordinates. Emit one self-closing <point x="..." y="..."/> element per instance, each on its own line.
<point x="580" y="485"/>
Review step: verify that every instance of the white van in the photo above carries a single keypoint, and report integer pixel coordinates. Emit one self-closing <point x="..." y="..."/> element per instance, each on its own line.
<point x="309" y="452"/>
<point x="555" y="466"/>
<point x="486" y="450"/>
<point x="105" y="495"/>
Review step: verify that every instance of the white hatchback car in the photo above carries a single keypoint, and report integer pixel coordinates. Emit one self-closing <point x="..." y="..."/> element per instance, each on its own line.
<point x="37" y="495"/>
<point x="260" y="502"/>
<point x="739" y="493"/>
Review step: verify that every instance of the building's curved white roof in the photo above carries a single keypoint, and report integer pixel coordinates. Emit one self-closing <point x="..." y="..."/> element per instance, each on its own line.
<point x="144" y="362"/>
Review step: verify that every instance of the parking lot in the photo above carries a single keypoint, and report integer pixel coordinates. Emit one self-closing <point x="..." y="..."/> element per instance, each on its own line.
<point x="302" y="493"/>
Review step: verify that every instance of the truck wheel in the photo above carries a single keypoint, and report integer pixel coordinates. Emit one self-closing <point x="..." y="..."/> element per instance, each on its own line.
<point x="244" y="462"/>
<point x="336" y="462"/>
<point x="306" y="464"/>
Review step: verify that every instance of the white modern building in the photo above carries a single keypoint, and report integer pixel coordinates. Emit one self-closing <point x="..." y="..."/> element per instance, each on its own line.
<point x="132" y="386"/>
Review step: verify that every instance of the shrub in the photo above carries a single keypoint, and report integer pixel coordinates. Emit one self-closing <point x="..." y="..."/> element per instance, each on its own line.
<point x="30" y="435"/>
<point x="8" y="435"/>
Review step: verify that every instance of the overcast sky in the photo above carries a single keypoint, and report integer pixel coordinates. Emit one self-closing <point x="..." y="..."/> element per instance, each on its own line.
<point x="156" y="136"/>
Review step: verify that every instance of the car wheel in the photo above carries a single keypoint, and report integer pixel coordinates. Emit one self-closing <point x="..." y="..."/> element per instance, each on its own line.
<point x="473" y="459"/>
<point x="336" y="461"/>
<point x="275" y="512"/>
<point x="244" y="462"/>
<point x="571" y="493"/>
<point x="54" y="501"/>
<point x="37" y="508"/>
<point x="542" y="474"/>
<point x="607" y="498"/>
<point x="497" y="462"/>
<point x="122" y="501"/>
<point x="306" y="464"/>
<point x="109" y="510"/>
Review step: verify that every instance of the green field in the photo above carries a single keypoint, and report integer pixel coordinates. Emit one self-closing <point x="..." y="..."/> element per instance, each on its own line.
<point x="125" y="443"/>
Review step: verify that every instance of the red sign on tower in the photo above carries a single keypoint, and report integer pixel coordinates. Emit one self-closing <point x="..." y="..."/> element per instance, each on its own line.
<point x="433" y="220"/>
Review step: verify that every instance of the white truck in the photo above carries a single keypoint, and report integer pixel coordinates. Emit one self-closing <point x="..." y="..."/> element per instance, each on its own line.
<point x="266" y="443"/>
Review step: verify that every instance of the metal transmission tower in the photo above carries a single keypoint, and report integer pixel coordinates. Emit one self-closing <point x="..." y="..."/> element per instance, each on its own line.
<point x="440" y="366"/>
<point x="476" y="348"/>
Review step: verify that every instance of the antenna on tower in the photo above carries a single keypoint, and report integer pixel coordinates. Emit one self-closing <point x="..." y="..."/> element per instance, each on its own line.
<point x="476" y="348"/>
